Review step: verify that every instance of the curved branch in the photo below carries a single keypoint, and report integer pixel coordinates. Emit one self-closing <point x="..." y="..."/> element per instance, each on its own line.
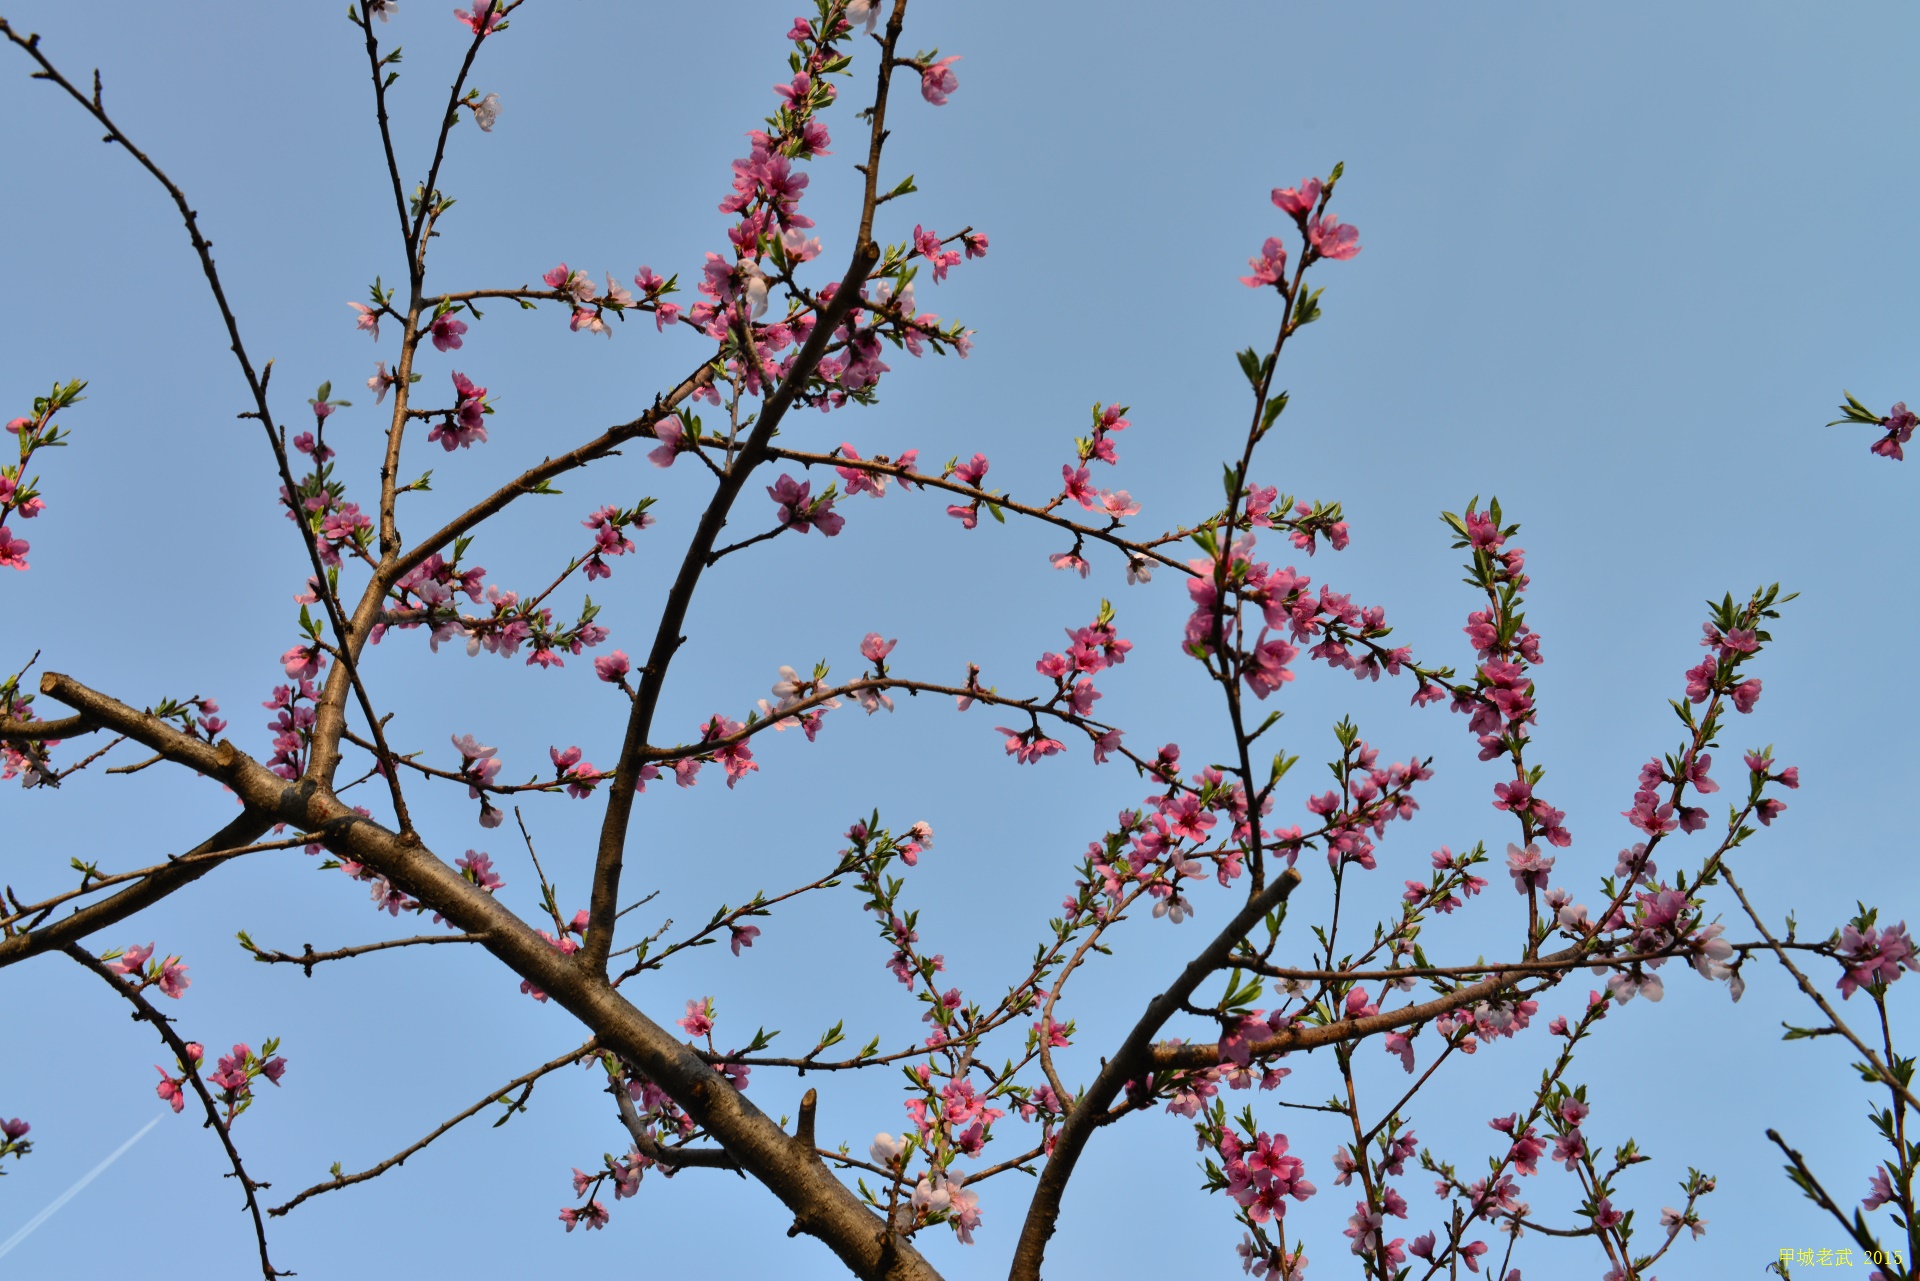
<point x="146" y="1011"/>
<point x="400" y="1158"/>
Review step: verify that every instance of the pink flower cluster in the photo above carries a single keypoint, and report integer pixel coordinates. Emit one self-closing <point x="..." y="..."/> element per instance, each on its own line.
<point x="1499" y="705"/>
<point x="969" y="473"/>
<point x="797" y="509"/>
<point x="1331" y="620"/>
<point x="1899" y="424"/>
<point x="1325" y="236"/>
<point x="1261" y="1175"/>
<point x="1873" y="957"/>
<point x="1367" y="799"/>
<point x="18" y="495"/>
<point x="465" y="424"/>
<point x="609" y="539"/>
<point x="13" y="1137"/>
<point x="565" y="944"/>
<point x="137" y="963"/>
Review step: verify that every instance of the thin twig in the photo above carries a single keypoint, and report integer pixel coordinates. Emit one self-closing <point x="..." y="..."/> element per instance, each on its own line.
<point x="144" y="1010"/>
<point x="526" y="1079"/>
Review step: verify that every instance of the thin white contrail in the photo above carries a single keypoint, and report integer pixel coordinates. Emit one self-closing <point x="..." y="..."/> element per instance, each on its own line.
<point x="74" y="1191"/>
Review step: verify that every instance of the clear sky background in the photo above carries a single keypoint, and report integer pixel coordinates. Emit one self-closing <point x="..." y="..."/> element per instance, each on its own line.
<point x="1619" y="262"/>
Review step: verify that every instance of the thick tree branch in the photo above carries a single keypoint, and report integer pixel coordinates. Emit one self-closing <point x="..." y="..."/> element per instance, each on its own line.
<point x="41" y="731"/>
<point x="1134" y="1057"/>
<point x="236" y="836"/>
<point x="822" y="1206"/>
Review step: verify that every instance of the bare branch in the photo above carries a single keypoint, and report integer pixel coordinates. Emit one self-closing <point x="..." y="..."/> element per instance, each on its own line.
<point x="525" y="1079"/>
<point x="309" y="958"/>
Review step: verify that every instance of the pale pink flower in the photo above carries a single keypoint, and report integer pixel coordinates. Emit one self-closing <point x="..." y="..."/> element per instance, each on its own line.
<point x="482" y="19"/>
<point x="381" y="382"/>
<point x="369" y="319"/>
<point x="173" y="978"/>
<point x="938" y="80"/>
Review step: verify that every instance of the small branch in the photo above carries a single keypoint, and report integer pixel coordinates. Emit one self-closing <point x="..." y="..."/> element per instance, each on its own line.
<point x="1818" y="1195"/>
<point x="309" y="958"/>
<point x="650" y="1147"/>
<point x="229" y="842"/>
<point x="144" y="1010"/>
<point x="1806" y="985"/>
<point x="94" y="884"/>
<point x="399" y="1158"/>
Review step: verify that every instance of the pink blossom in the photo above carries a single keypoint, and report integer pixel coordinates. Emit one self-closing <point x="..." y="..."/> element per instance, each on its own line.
<point x="1029" y="746"/>
<point x="874" y="649"/>
<point x="1298" y="201"/>
<point x="445" y="329"/>
<point x="173" y="978"/>
<point x="1069" y="560"/>
<point x="1528" y="867"/>
<point x="613" y="667"/>
<point x="369" y="319"/>
<point x="132" y="961"/>
<point x="937" y="81"/>
<point x="482" y="20"/>
<point x="1874" y="956"/>
<point x="467" y="423"/>
<point x="698" y="1020"/>
<point x="1333" y="239"/>
<point x="302" y="662"/>
<point x="380" y="382"/>
<point x="1076" y="483"/>
<point x="1270" y="268"/>
<point x="743" y="936"/>
<point x="800" y="511"/>
<point x="670" y="432"/>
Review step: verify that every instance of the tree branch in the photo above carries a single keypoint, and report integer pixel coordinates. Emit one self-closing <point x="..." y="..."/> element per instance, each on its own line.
<point x="400" y="1158"/>
<point x="144" y="1010"/>
<point x="821" y="1204"/>
<point x="1134" y="1056"/>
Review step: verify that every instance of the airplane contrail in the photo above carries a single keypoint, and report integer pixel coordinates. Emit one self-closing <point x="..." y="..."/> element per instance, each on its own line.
<point x="74" y="1191"/>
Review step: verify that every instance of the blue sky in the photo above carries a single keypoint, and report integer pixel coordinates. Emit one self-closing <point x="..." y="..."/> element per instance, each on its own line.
<point x="1619" y="263"/>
